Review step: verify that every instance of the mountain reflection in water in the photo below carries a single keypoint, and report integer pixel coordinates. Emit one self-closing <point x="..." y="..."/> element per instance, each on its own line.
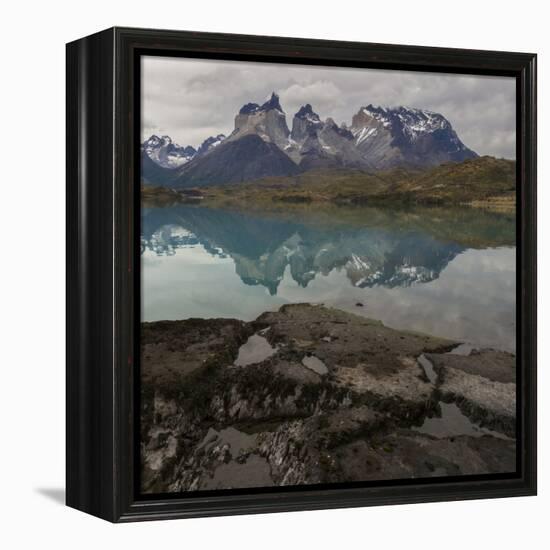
<point x="451" y="275"/>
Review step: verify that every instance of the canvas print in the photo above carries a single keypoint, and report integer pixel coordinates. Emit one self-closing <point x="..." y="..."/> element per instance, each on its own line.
<point x="328" y="275"/>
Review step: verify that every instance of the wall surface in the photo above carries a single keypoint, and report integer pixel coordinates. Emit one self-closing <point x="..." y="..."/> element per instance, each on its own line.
<point x="32" y="289"/>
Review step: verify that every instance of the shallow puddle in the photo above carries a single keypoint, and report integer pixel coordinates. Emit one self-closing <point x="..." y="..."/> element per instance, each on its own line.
<point x="255" y="472"/>
<point x="315" y="364"/>
<point x="462" y="349"/>
<point x="453" y="422"/>
<point x="238" y="441"/>
<point x="429" y="370"/>
<point x="255" y="350"/>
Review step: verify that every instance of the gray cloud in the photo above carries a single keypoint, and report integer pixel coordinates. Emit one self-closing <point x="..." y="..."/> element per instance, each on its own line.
<point x="190" y="99"/>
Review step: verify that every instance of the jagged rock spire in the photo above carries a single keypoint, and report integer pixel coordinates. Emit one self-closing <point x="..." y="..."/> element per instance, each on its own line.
<point x="306" y="111"/>
<point x="272" y="103"/>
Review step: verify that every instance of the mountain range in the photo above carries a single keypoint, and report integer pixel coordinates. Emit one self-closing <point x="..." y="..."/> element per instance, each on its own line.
<point x="262" y="145"/>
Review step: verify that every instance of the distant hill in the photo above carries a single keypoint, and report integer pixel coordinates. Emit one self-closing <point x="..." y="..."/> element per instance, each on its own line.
<point x="475" y="179"/>
<point x="479" y="180"/>
<point x="245" y="159"/>
<point x="153" y="173"/>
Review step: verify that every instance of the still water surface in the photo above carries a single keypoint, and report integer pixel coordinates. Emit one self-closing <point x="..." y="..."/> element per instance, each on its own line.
<point x="449" y="273"/>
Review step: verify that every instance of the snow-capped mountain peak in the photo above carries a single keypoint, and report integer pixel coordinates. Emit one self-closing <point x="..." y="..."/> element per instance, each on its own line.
<point x="152" y="142"/>
<point x="267" y="121"/>
<point x="413" y="120"/>
<point x="306" y="113"/>
<point x="306" y="123"/>
<point x="271" y="104"/>
<point x="209" y="143"/>
<point x="166" y="153"/>
<point x="391" y="136"/>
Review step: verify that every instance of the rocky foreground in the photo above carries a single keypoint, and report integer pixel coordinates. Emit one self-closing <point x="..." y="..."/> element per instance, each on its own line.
<point x="311" y="395"/>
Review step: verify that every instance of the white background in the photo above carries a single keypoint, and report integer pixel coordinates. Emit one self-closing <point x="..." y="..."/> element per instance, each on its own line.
<point x="32" y="74"/>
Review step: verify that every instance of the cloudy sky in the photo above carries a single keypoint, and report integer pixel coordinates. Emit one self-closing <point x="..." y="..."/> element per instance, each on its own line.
<point x="190" y="99"/>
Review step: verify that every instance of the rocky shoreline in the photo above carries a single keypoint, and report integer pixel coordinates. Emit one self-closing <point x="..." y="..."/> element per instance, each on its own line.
<point x="309" y="395"/>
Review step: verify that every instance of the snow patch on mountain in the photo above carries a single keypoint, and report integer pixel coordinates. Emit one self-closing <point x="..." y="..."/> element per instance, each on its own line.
<point x="166" y="153"/>
<point x="414" y="121"/>
<point x="210" y="143"/>
<point x="362" y="134"/>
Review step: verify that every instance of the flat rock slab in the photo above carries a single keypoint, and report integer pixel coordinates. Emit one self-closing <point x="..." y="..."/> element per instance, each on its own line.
<point x="407" y="455"/>
<point x="498" y="366"/>
<point x="359" y="354"/>
<point x="171" y="350"/>
<point x="340" y="338"/>
<point x="482" y="384"/>
<point x="297" y="372"/>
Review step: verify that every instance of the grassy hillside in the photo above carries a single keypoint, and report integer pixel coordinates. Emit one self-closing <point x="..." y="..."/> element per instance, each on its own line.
<point x="477" y="179"/>
<point x="484" y="182"/>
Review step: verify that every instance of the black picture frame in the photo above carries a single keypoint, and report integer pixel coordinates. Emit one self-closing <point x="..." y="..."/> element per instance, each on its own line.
<point x="103" y="270"/>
